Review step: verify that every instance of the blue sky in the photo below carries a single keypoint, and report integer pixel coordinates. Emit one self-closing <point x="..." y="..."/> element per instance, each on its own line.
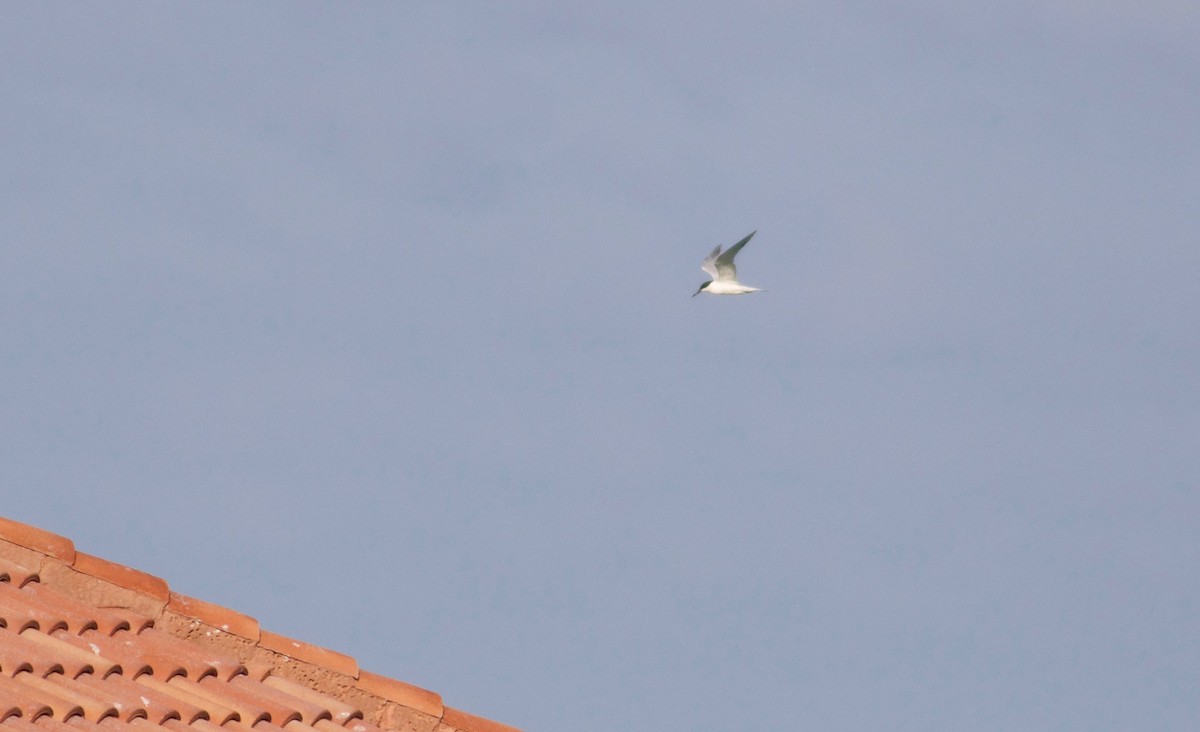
<point x="372" y="321"/>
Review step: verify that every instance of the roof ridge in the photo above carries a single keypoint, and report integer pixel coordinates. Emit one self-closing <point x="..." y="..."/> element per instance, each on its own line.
<point x="57" y="564"/>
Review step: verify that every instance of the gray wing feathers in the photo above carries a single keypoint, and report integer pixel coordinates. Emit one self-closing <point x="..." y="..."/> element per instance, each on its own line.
<point x="724" y="263"/>
<point x="720" y="266"/>
<point x="709" y="264"/>
<point x="733" y="250"/>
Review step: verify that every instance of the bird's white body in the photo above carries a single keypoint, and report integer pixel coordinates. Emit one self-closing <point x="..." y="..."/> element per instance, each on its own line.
<point x="724" y="274"/>
<point x="732" y="287"/>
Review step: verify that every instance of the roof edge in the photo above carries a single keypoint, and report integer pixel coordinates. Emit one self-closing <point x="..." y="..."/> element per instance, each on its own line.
<point x="39" y="540"/>
<point x="107" y="583"/>
<point x="465" y="722"/>
<point x="122" y="576"/>
<point x="316" y="655"/>
<point x="413" y="697"/>
<point x="221" y="618"/>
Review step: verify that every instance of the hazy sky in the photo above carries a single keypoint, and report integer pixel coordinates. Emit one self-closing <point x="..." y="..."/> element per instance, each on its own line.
<point x="372" y="321"/>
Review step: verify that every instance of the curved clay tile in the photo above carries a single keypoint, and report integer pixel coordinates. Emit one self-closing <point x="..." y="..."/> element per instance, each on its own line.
<point x="234" y="726"/>
<point x="461" y="720"/>
<point x="17" y="624"/>
<point x="295" y="727"/>
<point x="285" y="707"/>
<point x="95" y="707"/>
<point x="214" y="616"/>
<point x="75" y="660"/>
<point x="326" y="725"/>
<point x="260" y="727"/>
<point x="97" y="702"/>
<point x="16" y="724"/>
<point x="111" y="620"/>
<point x="219" y="714"/>
<point x="158" y="707"/>
<point x="124" y="650"/>
<point x="16" y="574"/>
<point x="316" y="655"/>
<point x="200" y="725"/>
<point x="82" y="643"/>
<point x="51" y="608"/>
<point x="25" y="700"/>
<point x="159" y="659"/>
<point x="20" y="724"/>
<point x="17" y="655"/>
<point x="340" y="712"/>
<point x="45" y="698"/>
<point x="250" y="708"/>
<point x="74" y="724"/>
<point x="17" y="611"/>
<point x="199" y="663"/>
<point x="11" y="666"/>
<point x="413" y="697"/>
<point x="109" y="623"/>
<point x="359" y="725"/>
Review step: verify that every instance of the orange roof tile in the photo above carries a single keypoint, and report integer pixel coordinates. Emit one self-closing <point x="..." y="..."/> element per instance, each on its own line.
<point x="87" y="641"/>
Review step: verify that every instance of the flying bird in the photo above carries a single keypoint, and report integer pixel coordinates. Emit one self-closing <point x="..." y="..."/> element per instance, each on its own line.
<point x="724" y="273"/>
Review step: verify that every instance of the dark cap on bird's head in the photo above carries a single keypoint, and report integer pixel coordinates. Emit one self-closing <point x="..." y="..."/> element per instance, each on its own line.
<point x="702" y="286"/>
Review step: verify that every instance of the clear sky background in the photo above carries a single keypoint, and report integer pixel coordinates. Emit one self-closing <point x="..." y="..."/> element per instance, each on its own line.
<point x="372" y="321"/>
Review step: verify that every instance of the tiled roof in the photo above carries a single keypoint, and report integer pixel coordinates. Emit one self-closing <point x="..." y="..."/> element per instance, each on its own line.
<point x="87" y="642"/>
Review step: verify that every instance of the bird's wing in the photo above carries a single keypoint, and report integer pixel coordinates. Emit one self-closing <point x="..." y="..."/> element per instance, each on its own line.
<point x="709" y="264"/>
<point x="724" y="263"/>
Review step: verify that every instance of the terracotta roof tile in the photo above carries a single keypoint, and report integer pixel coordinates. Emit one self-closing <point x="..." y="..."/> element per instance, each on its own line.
<point x="125" y="620"/>
<point x="216" y="616"/>
<point x="96" y="704"/>
<point x="179" y="689"/>
<point x="18" y="623"/>
<point x="40" y="691"/>
<point x="158" y="707"/>
<point x="85" y="642"/>
<point x="298" y="727"/>
<point x="49" y="616"/>
<point x="207" y="726"/>
<point x="328" y="725"/>
<point x="250" y="709"/>
<point x="15" y="574"/>
<point x="105" y="621"/>
<point x="316" y="655"/>
<point x="306" y="710"/>
<point x="196" y="660"/>
<point x="19" y="654"/>
<point x="17" y="723"/>
<point x="26" y="703"/>
<point x="80" y="652"/>
<point x="470" y="723"/>
<point x="360" y="726"/>
<point x="109" y="651"/>
<point x="96" y="591"/>
<point x="338" y="711"/>
<point x="200" y="725"/>
<point x="401" y="693"/>
<point x="122" y="576"/>
<point x="38" y="540"/>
